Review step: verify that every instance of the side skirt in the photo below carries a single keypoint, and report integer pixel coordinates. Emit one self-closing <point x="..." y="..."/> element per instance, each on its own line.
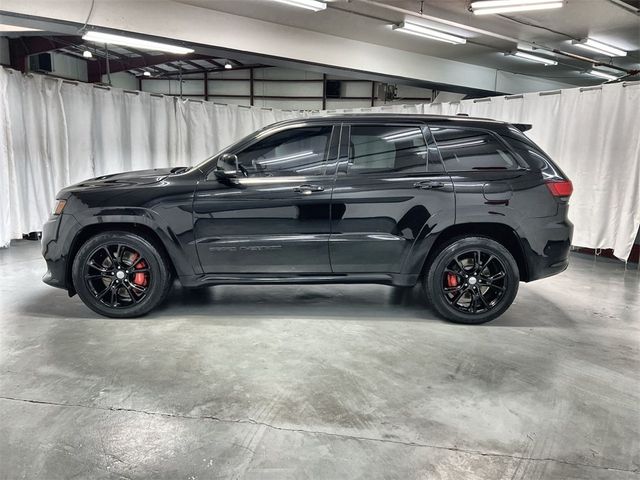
<point x="394" y="279"/>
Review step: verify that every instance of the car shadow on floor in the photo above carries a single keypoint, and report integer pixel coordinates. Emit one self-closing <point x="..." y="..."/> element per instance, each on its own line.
<point x="262" y="302"/>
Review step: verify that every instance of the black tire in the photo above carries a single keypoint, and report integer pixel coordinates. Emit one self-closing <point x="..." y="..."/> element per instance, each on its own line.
<point x="466" y="290"/>
<point x="141" y="274"/>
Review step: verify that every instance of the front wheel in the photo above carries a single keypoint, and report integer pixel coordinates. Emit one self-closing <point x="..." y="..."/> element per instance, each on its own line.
<point x="472" y="280"/>
<point x="120" y="274"/>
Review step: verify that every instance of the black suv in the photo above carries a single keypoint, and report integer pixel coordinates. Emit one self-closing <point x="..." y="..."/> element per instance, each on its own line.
<point x="470" y="207"/>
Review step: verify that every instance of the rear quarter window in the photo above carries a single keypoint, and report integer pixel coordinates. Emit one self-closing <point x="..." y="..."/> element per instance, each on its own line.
<point x="528" y="151"/>
<point x="467" y="149"/>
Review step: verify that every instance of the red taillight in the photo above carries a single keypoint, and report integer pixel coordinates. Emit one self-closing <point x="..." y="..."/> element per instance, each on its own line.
<point x="560" y="188"/>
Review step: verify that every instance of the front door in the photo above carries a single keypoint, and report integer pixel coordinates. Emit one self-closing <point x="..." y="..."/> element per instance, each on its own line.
<point x="390" y="186"/>
<point x="275" y="216"/>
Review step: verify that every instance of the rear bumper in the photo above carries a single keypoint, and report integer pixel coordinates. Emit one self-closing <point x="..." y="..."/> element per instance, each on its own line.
<point x="57" y="238"/>
<point x="547" y="248"/>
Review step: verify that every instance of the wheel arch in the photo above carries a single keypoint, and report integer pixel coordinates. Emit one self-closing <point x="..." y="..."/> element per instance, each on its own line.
<point x="500" y="232"/>
<point x="88" y="231"/>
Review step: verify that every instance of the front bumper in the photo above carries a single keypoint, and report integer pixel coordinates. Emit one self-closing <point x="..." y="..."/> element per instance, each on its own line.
<point x="57" y="241"/>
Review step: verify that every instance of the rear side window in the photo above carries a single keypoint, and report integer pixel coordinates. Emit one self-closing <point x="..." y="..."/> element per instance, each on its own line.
<point x="377" y="148"/>
<point x="464" y="149"/>
<point x="524" y="147"/>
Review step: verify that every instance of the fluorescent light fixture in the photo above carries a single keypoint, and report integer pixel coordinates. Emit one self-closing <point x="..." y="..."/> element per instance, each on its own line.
<point x="596" y="46"/>
<point x="101" y="37"/>
<point x="228" y="65"/>
<point x="308" y="4"/>
<point x="601" y="74"/>
<point x="87" y="54"/>
<point x="488" y="7"/>
<point x="430" y="33"/>
<point x="15" y="28"/>
<point x="146" y="73"/>
<point x="532" y="58"/>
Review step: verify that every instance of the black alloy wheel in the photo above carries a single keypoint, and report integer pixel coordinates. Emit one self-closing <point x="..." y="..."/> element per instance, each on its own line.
<point x="121" y="274"/>
<point x="117" y="275"/>
<point x="472" y="280"/>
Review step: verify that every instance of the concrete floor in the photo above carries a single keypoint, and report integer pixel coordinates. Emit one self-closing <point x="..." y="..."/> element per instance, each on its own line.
<point x="335" y="382"/>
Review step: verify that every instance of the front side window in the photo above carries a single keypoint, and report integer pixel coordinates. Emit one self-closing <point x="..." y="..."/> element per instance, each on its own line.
<point x="464" y="149"/>
<point x="375" y="148"/>
<point x="297" y="151"/>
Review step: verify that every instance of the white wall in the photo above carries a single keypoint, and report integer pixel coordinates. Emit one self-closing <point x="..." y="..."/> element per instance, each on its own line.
<point x="515" y="83"/>
<point x="122" y="80"/>
<point x="233" y="87"/>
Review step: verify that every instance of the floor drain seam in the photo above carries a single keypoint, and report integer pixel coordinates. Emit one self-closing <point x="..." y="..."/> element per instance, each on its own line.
<point x="251" y="421"/>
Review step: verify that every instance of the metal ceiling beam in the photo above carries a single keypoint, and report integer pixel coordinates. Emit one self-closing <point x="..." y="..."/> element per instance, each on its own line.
<point x="97" y="68"/>
<point x="168" y="75"/>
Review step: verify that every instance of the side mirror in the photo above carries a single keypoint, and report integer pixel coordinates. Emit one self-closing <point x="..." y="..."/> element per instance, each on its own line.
<point x="227" y="166"/>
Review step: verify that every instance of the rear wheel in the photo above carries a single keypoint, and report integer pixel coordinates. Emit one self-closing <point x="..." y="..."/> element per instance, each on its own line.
<point x="472" y="280"/>
<point x="120" y="274"/>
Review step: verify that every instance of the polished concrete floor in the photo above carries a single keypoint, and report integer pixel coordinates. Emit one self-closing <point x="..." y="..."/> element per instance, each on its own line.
<point x="322" y="382"/>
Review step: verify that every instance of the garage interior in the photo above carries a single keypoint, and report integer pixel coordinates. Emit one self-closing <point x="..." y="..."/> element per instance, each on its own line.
<point x="318" y="381"/>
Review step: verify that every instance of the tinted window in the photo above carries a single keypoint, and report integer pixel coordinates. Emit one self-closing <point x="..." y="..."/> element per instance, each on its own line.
<point x="469" y="149"/>
<point x="386" y="149"/>
<point x="525" y="148"/>
<point x="298" y="151"/>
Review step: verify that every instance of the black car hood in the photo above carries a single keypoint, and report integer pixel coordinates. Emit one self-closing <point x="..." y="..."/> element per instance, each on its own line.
<point x="138" y="177"/>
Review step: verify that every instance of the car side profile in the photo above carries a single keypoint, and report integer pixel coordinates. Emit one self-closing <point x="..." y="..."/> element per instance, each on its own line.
<point x="469" y="207"/>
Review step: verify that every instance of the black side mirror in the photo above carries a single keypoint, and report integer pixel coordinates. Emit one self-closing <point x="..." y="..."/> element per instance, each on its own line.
<point x="227" y="166"/>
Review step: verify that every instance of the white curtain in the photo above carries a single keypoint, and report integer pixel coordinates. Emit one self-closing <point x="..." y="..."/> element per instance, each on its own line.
<point x="54" y="133"/>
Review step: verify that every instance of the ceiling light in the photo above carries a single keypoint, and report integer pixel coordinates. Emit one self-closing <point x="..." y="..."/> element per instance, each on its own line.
<point x="100" y="37"/>
<point x="87" y="54"/>
<point x="228" y="65"/>
<point x="595" y="46"/>
<point x="488" y="7"/>
<point x="15" y="28"/>
<point x="146" y="73"/>
<point x="430" y="33"/>
<point x="308" y="4"/>
<point x="601" y="74"/>
<point x="532" y="58"/>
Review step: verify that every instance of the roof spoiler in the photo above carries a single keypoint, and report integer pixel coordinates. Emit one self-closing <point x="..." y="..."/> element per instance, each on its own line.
<point x="523" y="127"/>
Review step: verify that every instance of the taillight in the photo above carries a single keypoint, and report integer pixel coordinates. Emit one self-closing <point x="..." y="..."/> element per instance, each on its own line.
<point x="560" y="188"/>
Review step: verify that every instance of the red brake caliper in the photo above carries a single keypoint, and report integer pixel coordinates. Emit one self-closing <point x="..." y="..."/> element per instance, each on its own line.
<point x="452" y="280"/>
<point x="140" y="278"/>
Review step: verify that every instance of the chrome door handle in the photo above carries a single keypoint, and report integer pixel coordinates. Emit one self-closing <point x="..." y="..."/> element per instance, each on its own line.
<point x="308" y="189"/>
<point x="428" y="185"/>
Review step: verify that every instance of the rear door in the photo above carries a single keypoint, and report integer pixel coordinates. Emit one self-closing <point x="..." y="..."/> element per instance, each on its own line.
<point x="486" y="173"/>
<point x="275" y="218"/>
<point x="390" y="186"/>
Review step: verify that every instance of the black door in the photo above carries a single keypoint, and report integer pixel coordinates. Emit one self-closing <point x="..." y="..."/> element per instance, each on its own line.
<point x="273" y="218"/>
<point x="390" y="186"/>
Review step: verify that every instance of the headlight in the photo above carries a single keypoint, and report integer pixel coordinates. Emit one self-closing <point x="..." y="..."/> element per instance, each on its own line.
<point x="59" y="207"/>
